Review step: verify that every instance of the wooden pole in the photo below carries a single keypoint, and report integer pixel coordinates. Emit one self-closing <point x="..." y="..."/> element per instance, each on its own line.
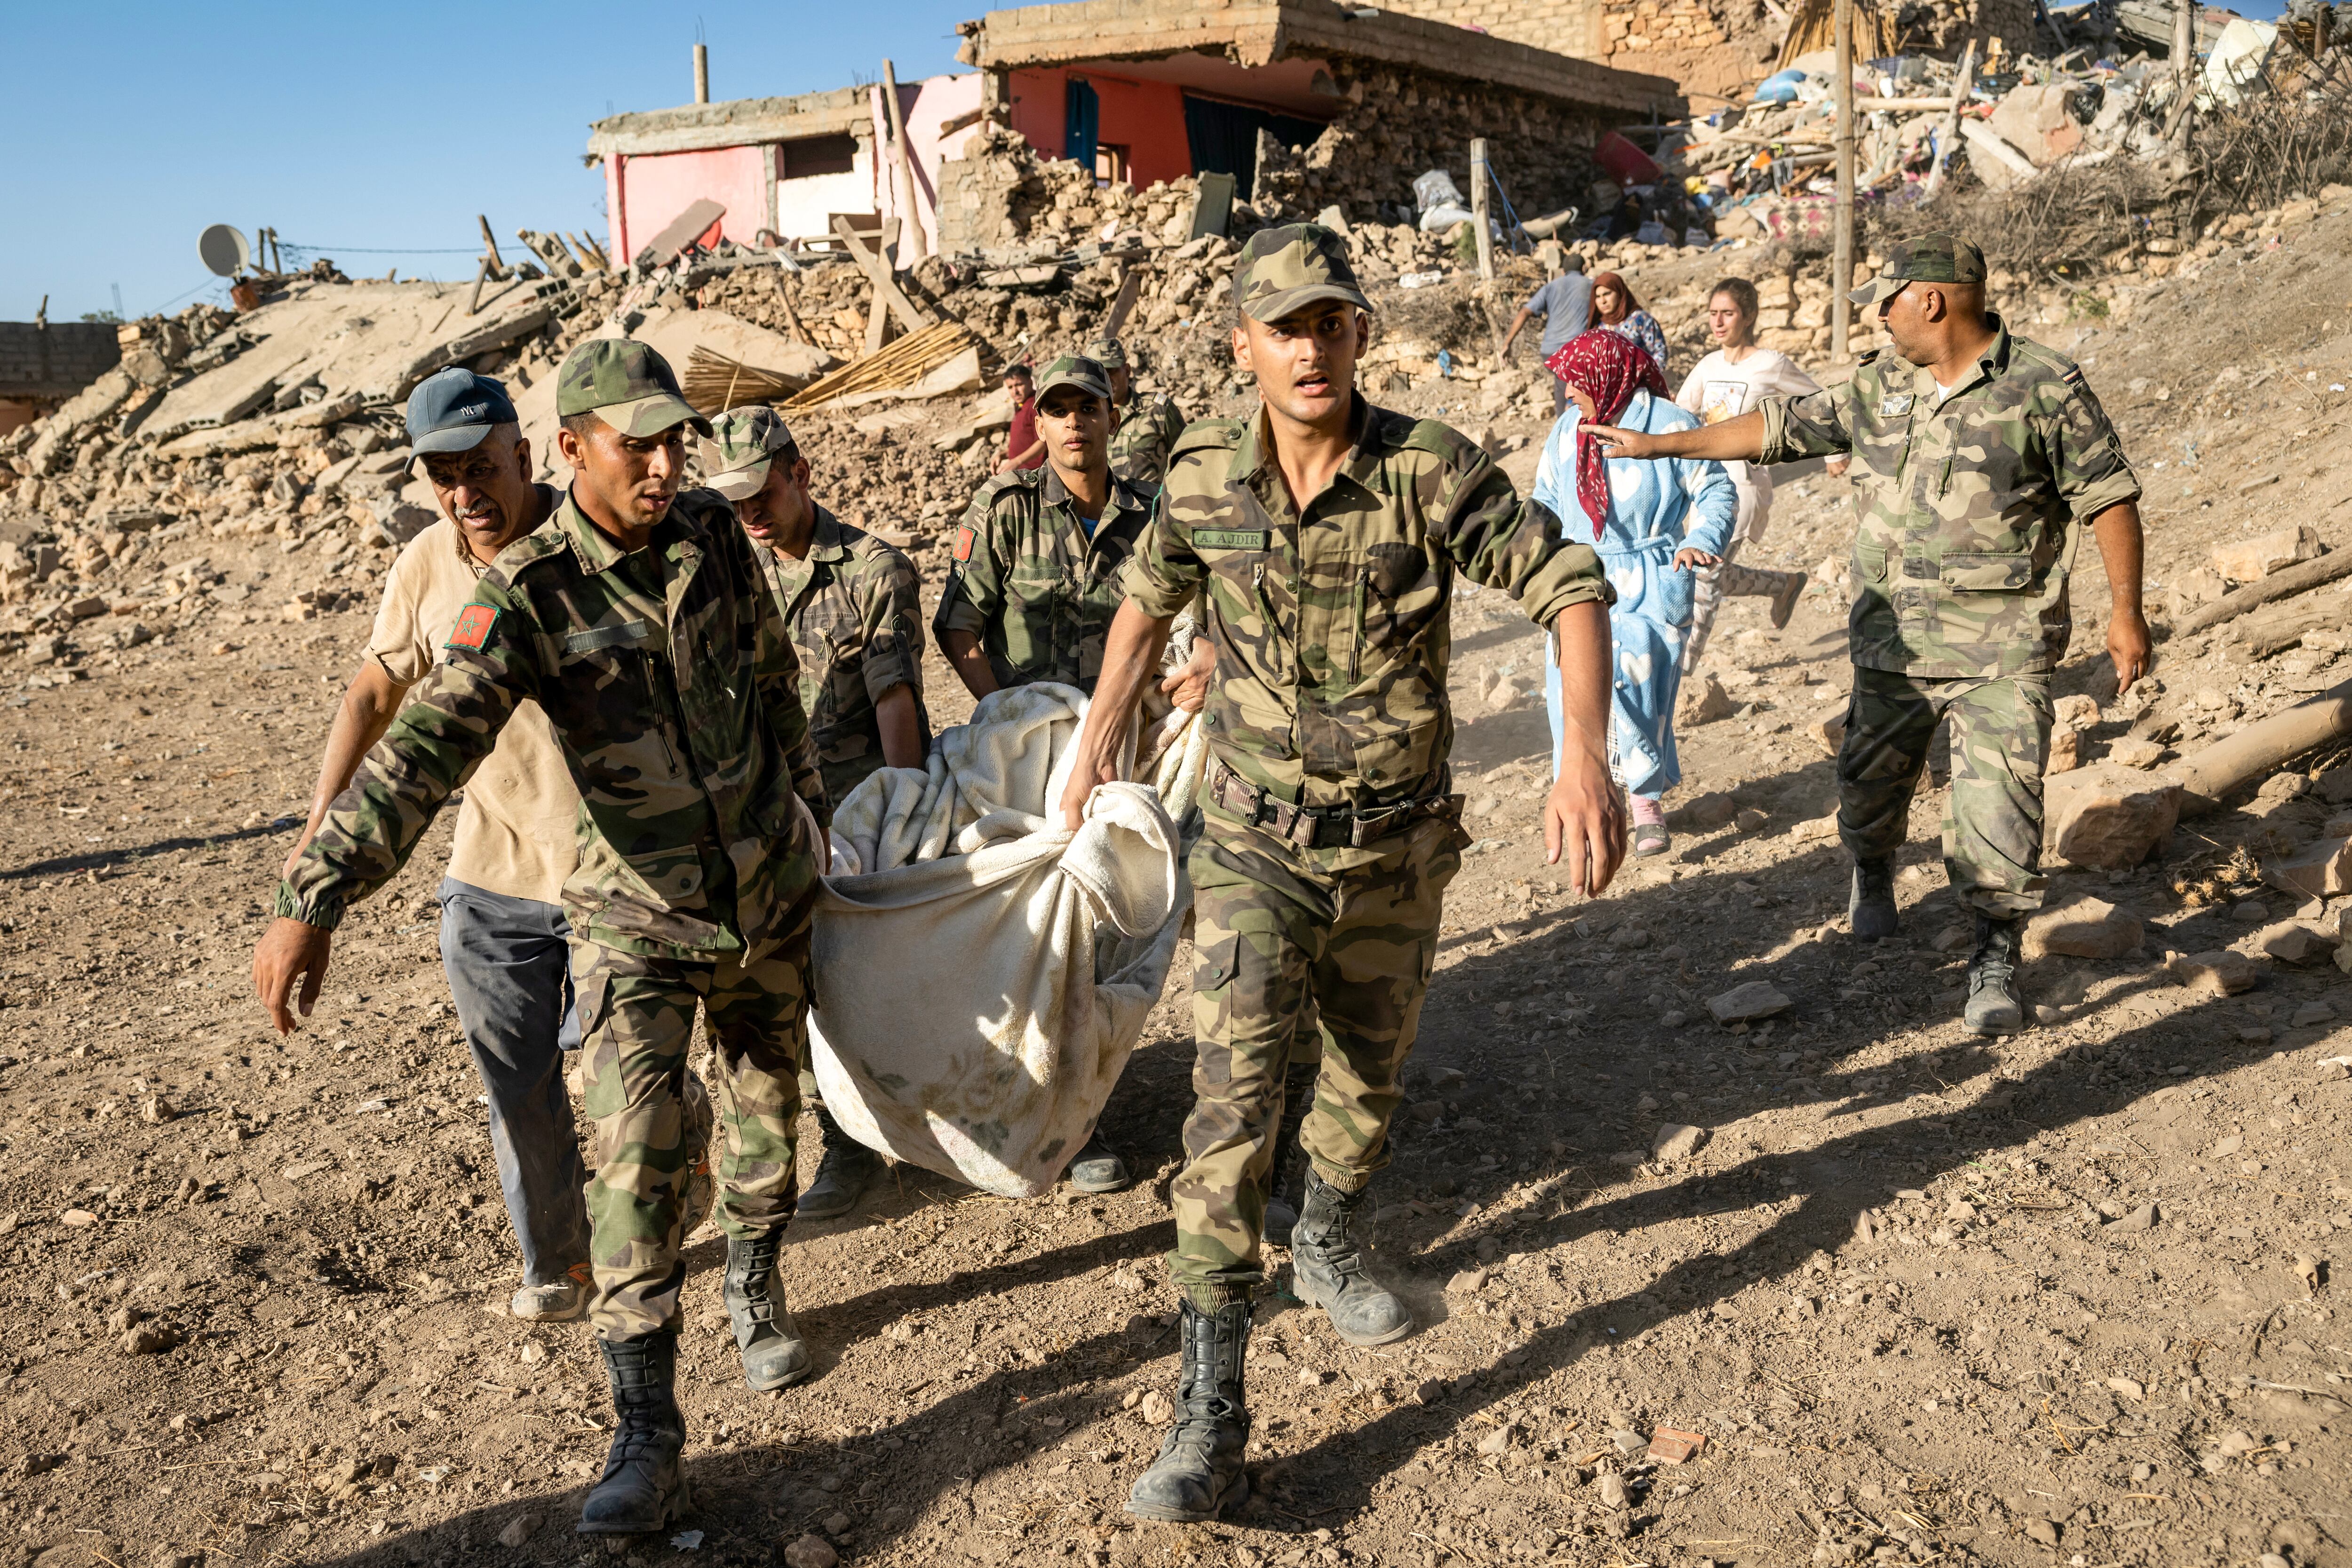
<point x="1948" y="142"/>
<point x="1478" y="183"/>
<point x="911" y="248"/>
<point x="497" y="272"/>
<point x="2184" y="68"/>
<point x="1841" y="262"/>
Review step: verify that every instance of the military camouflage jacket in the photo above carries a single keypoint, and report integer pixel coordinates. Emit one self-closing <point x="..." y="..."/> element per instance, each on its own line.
<point x="679" y="715"/>
<point x="1139" y="447"/>
<point x="1970" y="508"/>
<point x="1333" y="629"/>
<point x="856" y="616"/>
<point x="1031" y="585"/>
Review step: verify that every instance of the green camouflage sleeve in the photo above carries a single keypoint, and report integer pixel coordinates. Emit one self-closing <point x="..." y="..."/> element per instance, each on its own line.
<point x="974" y="595"/>
<point x="776" y="672"/>
<point x="1813" y="426"/>
<point x="890" y="606"/>
<point x="1499" y="541"/>
<point x="2087" y="457"/>
<point x="435" y="744"/>
<point x="1165" y="572"/>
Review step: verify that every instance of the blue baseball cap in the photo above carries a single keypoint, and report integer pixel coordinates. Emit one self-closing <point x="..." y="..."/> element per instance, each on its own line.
<point x="451" y="410"/>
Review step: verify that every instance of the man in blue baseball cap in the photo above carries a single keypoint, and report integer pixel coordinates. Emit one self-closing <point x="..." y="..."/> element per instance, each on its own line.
<point x="503" y="935"/>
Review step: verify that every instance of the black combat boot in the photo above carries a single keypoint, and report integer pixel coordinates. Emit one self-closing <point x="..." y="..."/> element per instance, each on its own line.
<point x="774" y="1354"/>
<point x="642" y="1490"/>
<point x="843" y="1172"/>
<point x="1870" y="908"/>
<point x="1097" y="1168"/>
<point x="1994" y="1007"/>
<point x="1327" y="1266"/>
<point x="1290" y="1160"/>
<point x="1199" y="1472"/>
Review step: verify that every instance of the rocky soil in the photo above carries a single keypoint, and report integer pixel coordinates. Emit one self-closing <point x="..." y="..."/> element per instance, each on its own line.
<point x="2067" y="1298"/>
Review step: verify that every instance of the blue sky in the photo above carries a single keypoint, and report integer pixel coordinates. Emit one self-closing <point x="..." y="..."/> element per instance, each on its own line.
<point x="130" y="128"/>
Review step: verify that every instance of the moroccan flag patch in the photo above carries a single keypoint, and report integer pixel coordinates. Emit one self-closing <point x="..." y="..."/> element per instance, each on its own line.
<point x="473" y="628"/>
<point x="963" y="544"/>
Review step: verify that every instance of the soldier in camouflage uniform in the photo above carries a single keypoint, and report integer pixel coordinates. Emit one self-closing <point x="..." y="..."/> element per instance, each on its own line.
<point x="1035" y="575"/>
<point x="1980" y="455"/>
<point x="1036" y="582"/>
<point x="1328" y="535"/>
<point x="637" y="620"/>
<point x="1146" y="434"/>
<point x="856" y="616"/>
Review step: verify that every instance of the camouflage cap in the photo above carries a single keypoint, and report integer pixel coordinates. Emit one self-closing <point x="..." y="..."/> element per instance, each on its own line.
<point x="1286" y="269"/>
<point x="1924" y="259"/>
<point x="626" y="384"/>
<point x="735" y="459"/>
<point x="1108" y="354"/>
<point x="1075" y="370"/>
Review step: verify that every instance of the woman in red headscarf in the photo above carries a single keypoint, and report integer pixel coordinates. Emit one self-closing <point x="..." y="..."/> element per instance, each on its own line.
<point x="1651" y="523"/>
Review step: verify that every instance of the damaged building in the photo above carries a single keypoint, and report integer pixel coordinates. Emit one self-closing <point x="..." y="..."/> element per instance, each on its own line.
<point x="1304" y="104"/>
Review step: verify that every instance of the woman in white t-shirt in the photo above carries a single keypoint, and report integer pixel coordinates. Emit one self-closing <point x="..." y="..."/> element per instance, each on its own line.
<point x="1724" y="384"/>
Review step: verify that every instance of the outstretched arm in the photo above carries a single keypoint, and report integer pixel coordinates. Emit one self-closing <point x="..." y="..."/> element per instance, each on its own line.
<point x="1742" y="438"/>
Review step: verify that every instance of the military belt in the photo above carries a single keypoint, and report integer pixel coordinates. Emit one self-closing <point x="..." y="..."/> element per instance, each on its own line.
<point x="1318" y="827"/>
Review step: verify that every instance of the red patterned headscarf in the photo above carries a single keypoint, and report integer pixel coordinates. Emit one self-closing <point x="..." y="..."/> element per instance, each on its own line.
<point x="1609" y="368"/>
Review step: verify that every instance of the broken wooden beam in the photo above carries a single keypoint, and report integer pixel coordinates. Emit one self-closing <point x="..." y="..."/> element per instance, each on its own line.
<point x="2294" y="580"/>
<point x="878" y="272"/>
<point x="2208" y="774"/>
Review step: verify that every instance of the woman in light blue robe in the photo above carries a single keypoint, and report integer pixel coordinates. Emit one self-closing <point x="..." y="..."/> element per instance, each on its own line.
<point x="1660" y="518"/>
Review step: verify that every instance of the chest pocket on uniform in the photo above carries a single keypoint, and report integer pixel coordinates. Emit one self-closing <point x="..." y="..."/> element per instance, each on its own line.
<point x="1036" y="594"/>
<point x="1985" y="573"/>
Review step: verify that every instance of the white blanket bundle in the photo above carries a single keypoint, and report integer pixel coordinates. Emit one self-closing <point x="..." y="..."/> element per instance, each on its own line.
<point x="982" y="973"/>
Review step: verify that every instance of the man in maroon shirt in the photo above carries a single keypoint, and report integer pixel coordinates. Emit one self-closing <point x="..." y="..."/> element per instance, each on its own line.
<point x="1023" y="447"/>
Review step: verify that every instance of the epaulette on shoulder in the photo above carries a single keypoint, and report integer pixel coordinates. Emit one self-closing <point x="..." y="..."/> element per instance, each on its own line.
<point x="2046" y="358"/>
<point x="997" y="486"/>
<point x="544" y="543"/>
<point x="1438" y="439"/>
<point x="1869" y="356"/>
<point x="1205" y="435"/>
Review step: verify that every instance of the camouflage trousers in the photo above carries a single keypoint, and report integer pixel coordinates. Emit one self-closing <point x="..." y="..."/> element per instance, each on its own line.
<point x="1992" y="825"/>
<point x="637" y="1022"/>
<point x="1299" y="953"/>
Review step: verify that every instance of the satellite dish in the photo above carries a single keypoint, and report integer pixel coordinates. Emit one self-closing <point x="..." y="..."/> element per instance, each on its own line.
<point x="223" y="251"/>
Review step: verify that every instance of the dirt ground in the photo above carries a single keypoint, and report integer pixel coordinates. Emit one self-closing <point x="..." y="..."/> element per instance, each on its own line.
<point x="2063" y="1298"/>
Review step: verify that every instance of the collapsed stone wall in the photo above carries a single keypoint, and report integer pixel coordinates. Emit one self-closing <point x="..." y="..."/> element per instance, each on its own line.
<point x="1395" y="126"/>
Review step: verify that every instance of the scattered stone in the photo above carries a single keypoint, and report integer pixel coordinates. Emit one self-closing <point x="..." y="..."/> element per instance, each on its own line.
<point x="2129" y="1387"/>
<point x="1612" y="1490"/>
<point x="1432" y="1391"/>
<point x="1157" y="1408"/>
<point x="1703" y="813"/>
<point x="836" y="1523"/>
<point x="78" y="1219"/>
<point x="1468" y="1282"/>
<point x="1704" y="701"/>
<point x="519" y="1529"/>
<point x="811" y="1552"/>
<point x="1747" y="1003"/>
<point x="2135" y="751"/>
<point x="1495" y="1441"/>
<point x="1750" y="819"/>
<point x="2251" y="560"/>
<point x="1676" y="1142"/>
<point x="1819" y="827"/>
<point x="2108" y="817"/>
<point x="1625" y="939"/>
<point x="2082" y="927"/>
<point x="2076" y="712"/>
<point x="2311" y="1015"/>
<point x="2043" y="1531"/>
<point x="2321" y="870"/>
<point x="2141" y="1218"/>
<point x="2065" y="751"/>
<point x="1828" y="733"/>
<point x="2216" y="973"/>
<point x="1951" y="939"/>
<point x="2291" y="942"/>
<point x="2235" y="1444"/>
<point x="1670" y="1446"/>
